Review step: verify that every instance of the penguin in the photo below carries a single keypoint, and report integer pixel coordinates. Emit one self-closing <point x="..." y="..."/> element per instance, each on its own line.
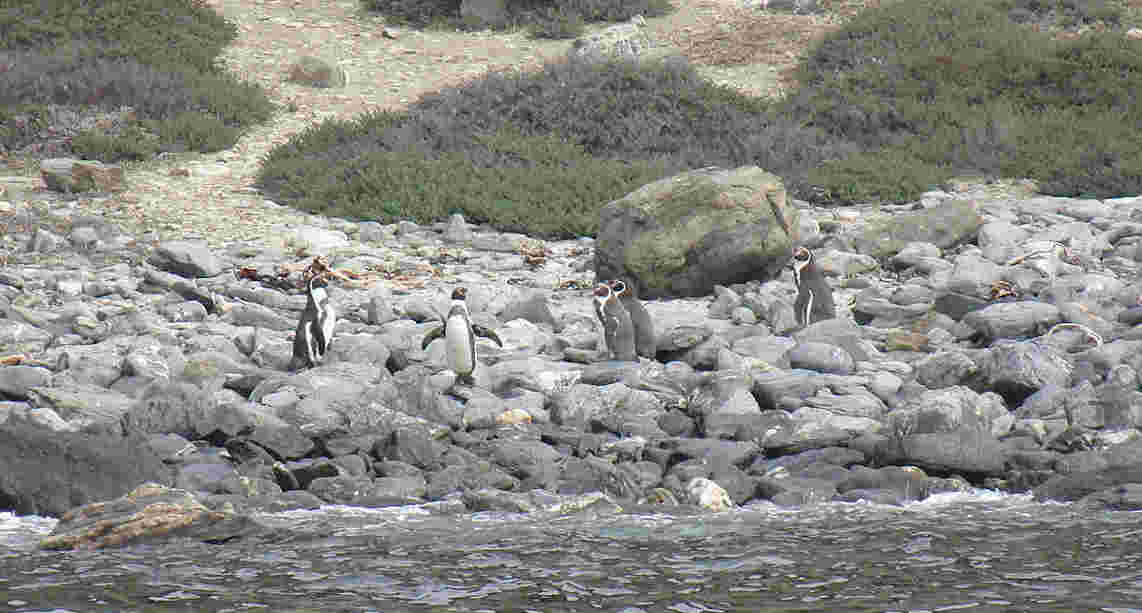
<point x="645" y="341"/>
<point x="618" y="331"/>
<point x="315" y="327"/>
<point x="460" y="337"/>
<point x="814" y="296"/>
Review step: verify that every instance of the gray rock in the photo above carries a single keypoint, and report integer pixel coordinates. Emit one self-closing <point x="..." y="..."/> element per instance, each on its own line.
<point x="82" y="405"/>
<point x="206" y="478"/>
<point x="906" y="482"/>
<point x="672" y="239"/>
<point x="627" y="41"/>
<point x="184" y="311"/>
<point x="924" y="258"/>
<point x="821" y="357"/>
<point x="379" y="310"/>
<point x="38" y="468"/>
<point x="16" y="381"/>
<point x="187" y="259"/>
<point x="19" y="337"/>
<point x="533" y="307"/>
<point x="534" y="463"/>
<point x="724" y="393"/>
<point x="945" y="369"/>
<point x="772" y="350"/>
<point x="70" y="175"/>
<point x="1017" y="370"/>
<point x="952" y="409"/>
<point x="258" y="316"/>
<point x="973" y="275"/>
<point x="963" y="452"/>
<point x="743" y="316"/>
<point x="1000" y="241"/>
<point x="725" y="301"/>
<point x="795" y="491"/>
<point x="946" y="225"/>
<point x="456" y="230"/>
<point x="1013" y="319"/>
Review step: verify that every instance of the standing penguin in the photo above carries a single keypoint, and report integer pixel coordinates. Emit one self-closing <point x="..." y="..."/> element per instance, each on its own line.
<point x="618" y="331"/>
<point x="315" y="327"/>
<point x="460" y="337"/>
<point x="814" y="296"/>
<point x="646" y="343"/>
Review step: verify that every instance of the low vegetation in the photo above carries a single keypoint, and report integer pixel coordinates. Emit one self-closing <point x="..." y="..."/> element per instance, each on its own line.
<point x="156" y="57"/>
<point x="903" y="97"/>
<point x="542" y="18"/>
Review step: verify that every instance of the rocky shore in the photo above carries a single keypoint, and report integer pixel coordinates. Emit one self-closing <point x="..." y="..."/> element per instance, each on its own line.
<point x="982" y="339"/>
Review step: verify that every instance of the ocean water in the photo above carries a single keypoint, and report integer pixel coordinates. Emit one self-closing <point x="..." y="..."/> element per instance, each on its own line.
<point x="979" y="551"/>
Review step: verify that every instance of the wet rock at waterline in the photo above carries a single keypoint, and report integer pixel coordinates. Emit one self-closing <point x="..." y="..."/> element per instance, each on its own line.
<point x="983" y="354"/>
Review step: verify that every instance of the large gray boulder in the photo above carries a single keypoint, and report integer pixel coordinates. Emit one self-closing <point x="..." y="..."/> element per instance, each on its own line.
<point x="682" y="235"/>
<point x="47" y="473"/>
<point x="945" y="225"/>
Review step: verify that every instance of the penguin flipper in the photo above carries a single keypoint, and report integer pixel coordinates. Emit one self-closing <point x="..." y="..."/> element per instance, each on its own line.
<point x="431" y="336"/>
<point x="487" y="333"/>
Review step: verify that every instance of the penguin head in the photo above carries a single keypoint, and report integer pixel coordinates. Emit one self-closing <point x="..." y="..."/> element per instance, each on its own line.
<point x="802" y="258"/>
<point x="623" y="288"/>
<point x="619" y="287"/>
<point x="460" y="293"/>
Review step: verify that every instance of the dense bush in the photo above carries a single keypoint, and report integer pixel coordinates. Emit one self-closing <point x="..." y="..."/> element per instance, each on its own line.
<point x="544" y="18"/>
<point x="960" y="86"/>
<point x="896" y="102"/>
<point x="156" y="56"/>
<point x="588" y="133"/>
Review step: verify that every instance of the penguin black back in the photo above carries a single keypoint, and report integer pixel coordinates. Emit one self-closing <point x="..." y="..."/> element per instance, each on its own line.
<point x="618" y="331"/>
<point x="814" y="296"/>
<point x="315" y="326"/>
<point x="645" y="340"/>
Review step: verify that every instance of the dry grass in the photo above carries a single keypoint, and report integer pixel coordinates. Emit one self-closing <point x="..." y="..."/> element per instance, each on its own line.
<point x="725" y="34"/>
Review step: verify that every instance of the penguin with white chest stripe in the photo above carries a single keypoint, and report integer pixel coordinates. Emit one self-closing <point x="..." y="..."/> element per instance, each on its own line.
<point x="814" y="296"/>
<point x="460" y="337"/>
<point x="315" y="327"/>
<point x="618" y="331"/>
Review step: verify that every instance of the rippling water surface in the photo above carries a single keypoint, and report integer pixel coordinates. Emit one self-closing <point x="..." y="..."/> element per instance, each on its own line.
<point x="981" y="552"/>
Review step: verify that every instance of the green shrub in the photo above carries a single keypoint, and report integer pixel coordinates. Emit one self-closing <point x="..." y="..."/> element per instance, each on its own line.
<point x="544" y="18"/>
<point x="532" y="184"/>
<point x="617" y="123"/>
<point x="155" y="56"/>
<point x="416" y="13"/>
<point x="20" y="124"/>
<point x="903" y="97"/>
<point x="961" y="86"/>
<point x="172" y="33"/>
<point x="556" y="23"/>
<point x="201" y="132"/>
<point x="133" y="144"/>
<point x="888" y="175"/>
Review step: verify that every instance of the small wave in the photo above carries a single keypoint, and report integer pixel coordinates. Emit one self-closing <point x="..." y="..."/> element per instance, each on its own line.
<point x="22" y="531"/>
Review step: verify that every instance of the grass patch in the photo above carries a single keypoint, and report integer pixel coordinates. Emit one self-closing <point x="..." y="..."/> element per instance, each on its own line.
<point x="155" y="56"/>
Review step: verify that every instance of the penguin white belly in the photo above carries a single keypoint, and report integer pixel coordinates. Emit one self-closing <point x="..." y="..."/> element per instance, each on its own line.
<point x="460" y="346"/>
<point x="328" y="323"/>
